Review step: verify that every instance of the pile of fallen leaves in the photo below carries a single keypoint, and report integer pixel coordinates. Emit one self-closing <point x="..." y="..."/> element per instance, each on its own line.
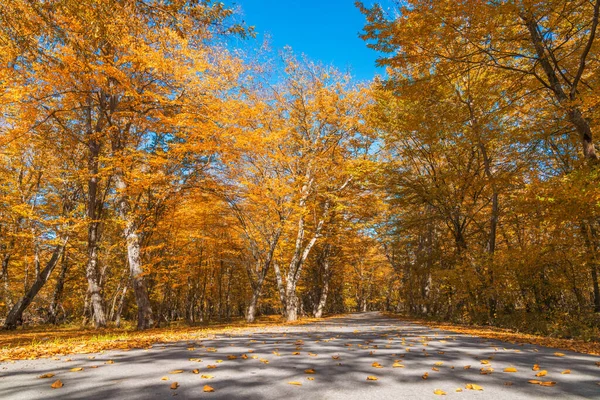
<point x="509" y="336"/>
<point x="44" y="343"/>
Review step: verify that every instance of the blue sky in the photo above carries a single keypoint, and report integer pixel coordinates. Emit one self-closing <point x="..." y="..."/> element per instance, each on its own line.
<point x="325" y="30"/>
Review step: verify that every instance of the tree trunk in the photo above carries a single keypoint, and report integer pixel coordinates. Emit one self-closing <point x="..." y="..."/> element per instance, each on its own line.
<point x="256" y="291"/>
<point x="280" y="288"/>
<point x="133" y="256"/>
<point x="324" y="293"/>
<point x="60" y="283"/>
<point x="120" y="307"/>
<point x="301" y="253"/>
<point x="325" y="276"/>
<point x="94" y="210"/>
<point x="6" y="281"/>
<point x="16" y="313"/>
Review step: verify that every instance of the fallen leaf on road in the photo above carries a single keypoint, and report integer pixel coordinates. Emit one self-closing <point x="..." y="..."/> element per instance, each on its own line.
<point x="485" y="362"/>
<point x="195" y="359"/>
<point x="549" y="383"/>
<point x="542" y="373"/>
<point x="174" y="385"/>
<point x="459" y="390"/>
<point x="536" y="367"/>
<point x="439" y="392"/>
<point x="557" y="354"/>
<point x="211" y="366"/>
<point x="164" y="378"/>
<point x="425" y="375"/>
<point x="473" y="386"/>
<point x="376" y="365"/>
<point x="195" y="371"/>
<point x="508" y="383"/>
<point x="46" y="376"/>
<point x="372" y="378"/>
<point x="206" y="376"/>
<point x="295" y="383"/>
<point x="176" y="371"/>
<point x="397" y="365"/>
<point x="439" y="363"/>
<point x="510" y="369"/>
<point x="57" y="384"/>
<point x="309" y="371"/>
<point x="207" y="388"/>
<point x="467" y="367"/>
<point x="109" y="362"/>
<point x="77" y="369"/>
<point x="566" y="371"/>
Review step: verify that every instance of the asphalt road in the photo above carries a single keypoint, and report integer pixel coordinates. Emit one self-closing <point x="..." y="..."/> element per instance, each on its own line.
<point x="341" y="351"/>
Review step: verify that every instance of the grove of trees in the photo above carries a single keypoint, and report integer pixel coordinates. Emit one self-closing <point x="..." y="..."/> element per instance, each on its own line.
<point x="151" y="171"/>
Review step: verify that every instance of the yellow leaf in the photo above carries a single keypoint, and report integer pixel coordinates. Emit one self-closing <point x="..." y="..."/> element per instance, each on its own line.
<point x="439" y="363"/>
<point x="397" y="365"/>
<point x="174" y="385"/>
<point x="77" y="369"/>
<point x="295" y="383"/>
<point x="211" y="366"/>
<point x="467" y="367"/>
<point x="206" y="376"/>
<point x="310" y="378"/>
<point x="510" y="369"/>
<point x="195" y="359"/>
<point x="372" y="378"/>
<point x="549" y="383"/>
<point x="176" y="371"/>
<point x="536" y="367"/>
<point x="459" y="390"/>
<point x="46" y="376"/>
<point x="231" y="357"/>
<point x="164" y="378"/>
<point x="557" y="354"/>
<point x="534" y="382"/>
<point x="439" y="392"/>
<point x="309" y="371"/>
<point x="566" y="371"/>
<point x="296" y="353"/>
<point x="57" y="384"/>
<point x="542" y="373"/>
<point x="425" y="375"/>
<point x="196" y="371"/>
<point x="485" y="362"/>
<point x="376" y="365"/>
<point x="109" y="362"/>
<point x="207" y="388"/>
<point x="244" y="357"/>
<point x="473" y="386"/>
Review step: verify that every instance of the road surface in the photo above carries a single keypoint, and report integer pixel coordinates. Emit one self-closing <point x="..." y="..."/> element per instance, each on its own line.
<point x="260" y="363"/>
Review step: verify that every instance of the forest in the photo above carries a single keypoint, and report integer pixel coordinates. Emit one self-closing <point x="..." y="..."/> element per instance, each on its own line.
<point x="158" y="166"/>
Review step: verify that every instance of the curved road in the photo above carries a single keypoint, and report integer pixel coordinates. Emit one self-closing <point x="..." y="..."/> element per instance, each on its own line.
<point x="342" y="353"/>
